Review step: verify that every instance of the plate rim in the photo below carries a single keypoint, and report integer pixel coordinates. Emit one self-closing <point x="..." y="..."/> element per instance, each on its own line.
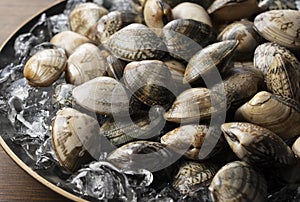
<point x="5" y="146"/>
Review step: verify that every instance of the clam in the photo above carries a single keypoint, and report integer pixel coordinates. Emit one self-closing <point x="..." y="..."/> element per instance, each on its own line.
<point x="257" y="145"/>
<point x="238" y="181"/>
<point x="187" y="10"/>
<point x="135" y="42"/>
<point x="45" y="67"/>
<point x="103" y="95"/>
<point x="280" y="115"/>
<point x="139" y="126"/>
<point x="248" y="38"/>
<point x="84" y="64"/>
<point x="193" y="175"/>
<point x="157" y="13"/>
<point x="152" y="156"/>
<point x="185" y="37"/>
<point x="210" y="59"/>
<point x="188" y="140"/>
<point x="73" y="138"/>
<point x="150" y="81"/>
<point x="195" y="104"/>
<point x="296" y="147"/>
<point x="277" y="4"/>
<point x="69" y="41"/>
<point x="221" y="10"/>
<point x="84" y="16"/>
<point x="265" y="54"/>
<point x="113" y="22"/>
<point x="283" y="78"/>
<point x="280" y="26"/>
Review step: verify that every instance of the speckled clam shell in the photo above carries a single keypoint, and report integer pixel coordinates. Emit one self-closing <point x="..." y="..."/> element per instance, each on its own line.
<point x="257" y="145"/>
<point x="260" y="110"/>
<point x="283" y="78"/>
<point x="69" y="41"/>
<point x="73" y="137"/>
<point x="280" y="26"/>
<point x="135" y="42"/>
<point x="238" y="182"/>
<point x="195" y="104"/>
<point x="85" y="63"/>
<point x="192" y="175"/>
<point x="45" y="67"/>
<point x="265" y="53"/>
<point x="188" y="140"/>
<point x="211" y="58"/>
<point x="102" y="95"/>
<point x="84" y="16"/>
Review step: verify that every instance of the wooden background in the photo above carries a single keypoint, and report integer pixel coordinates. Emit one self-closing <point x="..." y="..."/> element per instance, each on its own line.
<point x="16" y="184"/>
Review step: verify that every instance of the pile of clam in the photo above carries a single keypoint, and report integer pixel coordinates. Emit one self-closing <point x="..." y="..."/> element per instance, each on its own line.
<point x="157" y="72"/>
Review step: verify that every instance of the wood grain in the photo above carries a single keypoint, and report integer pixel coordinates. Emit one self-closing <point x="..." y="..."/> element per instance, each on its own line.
<point x="16" y="184"/>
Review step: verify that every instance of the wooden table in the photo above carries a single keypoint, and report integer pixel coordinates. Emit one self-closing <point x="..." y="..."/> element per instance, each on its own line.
<point x="16" y="184"/>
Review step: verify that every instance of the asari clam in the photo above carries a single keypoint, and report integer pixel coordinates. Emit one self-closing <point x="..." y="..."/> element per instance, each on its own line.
<point x="45" y="67"/>
<point x="74" y="136"/>
<point x="84" y="64"/>
<point x="192" y="175"/>
<point x="135" y="42"/>
<point x="83" y="18"/>
<point x="257" y="145"/>
<point x="239" y="182"/>
<point x="284" y="121"/>
<point x="280" y="26"/>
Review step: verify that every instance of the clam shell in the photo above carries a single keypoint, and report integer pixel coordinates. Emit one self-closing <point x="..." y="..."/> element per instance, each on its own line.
<point x="195" y="104"/>
<point x="238" y="181"/>
<point x="73" y="137"/>
<point x="216" y="55"/>
<point x="84" y="16"/>
<point x="296" y="147"/>
<point x="103" y="95"/>
<point x="45" y="67"/>
<point x="135" y="42"/>
<point x="257" y="145"/>
<point x="188" y="140"/>
<point x="265" y="54"/>
<point x="187" y="10"/>
<point x="283" y="78"/>
<point x="192" y="175"/>
<point x="85" y="63"/>
<point x="69" y="41"/>
<point x="280" y="26"/>
<point x="150" y="81"/>
<point x="260" y="110"/>
<point x="185" y="37"/>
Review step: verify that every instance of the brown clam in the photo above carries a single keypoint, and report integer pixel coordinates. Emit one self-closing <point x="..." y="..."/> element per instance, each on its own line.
<point x="150" y="81"/>
<point x="103" y="95"/>
<point x="257" y="145"/>
<point x="73" y="137"/>
<point x="84" y="64"/>
<point x="185" y="37"/>
<point x="248" y="38"/>
<point x="157" y="13"/>
<point x="135" y="42"/>
<point x="45" y="67"/>
<point x="188" y="140"/>
<point x="280" y="26"/>
<point x="187" y="10"/>
<point x="283" y="78"/>
<point x="83" y="18"/>
<point x="238" y="181"/>
<point x="69" y="41"/>
<point x="260" y="110"/>
<point x="211" y="58"/>
<point x="193" y="175"/>
<point x="196" y="104"/>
